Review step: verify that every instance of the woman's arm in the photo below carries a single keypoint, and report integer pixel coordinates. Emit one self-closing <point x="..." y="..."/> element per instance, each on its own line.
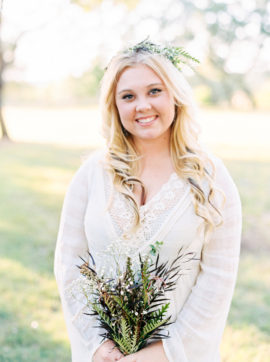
<point x="72" y="243"/>
<point x="197" y="332"/>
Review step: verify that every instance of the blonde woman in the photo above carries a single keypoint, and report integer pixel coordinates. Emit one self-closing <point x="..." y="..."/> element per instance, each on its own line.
<point x="152" y="182"/>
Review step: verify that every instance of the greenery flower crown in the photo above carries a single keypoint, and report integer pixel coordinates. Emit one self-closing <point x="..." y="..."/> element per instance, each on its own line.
<point x="176" y="55"/>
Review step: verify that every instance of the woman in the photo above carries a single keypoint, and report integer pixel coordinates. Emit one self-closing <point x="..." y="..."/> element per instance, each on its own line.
<point x="153" y="182"/>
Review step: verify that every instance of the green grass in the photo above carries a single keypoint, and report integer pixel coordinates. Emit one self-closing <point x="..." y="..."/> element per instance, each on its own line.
<point x="33" y="182"/>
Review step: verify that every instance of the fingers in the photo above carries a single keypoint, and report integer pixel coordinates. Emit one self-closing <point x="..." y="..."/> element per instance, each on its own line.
<point x="116" y="355"/>
<point x="107" y="352"/>
<point x="129" y="358"/>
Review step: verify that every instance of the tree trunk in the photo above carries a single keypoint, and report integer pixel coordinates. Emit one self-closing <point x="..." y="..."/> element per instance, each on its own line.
<point x="3" y="127"/>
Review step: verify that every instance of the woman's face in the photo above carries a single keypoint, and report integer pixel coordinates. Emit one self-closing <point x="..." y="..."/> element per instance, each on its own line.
<point x="145" y="106"/>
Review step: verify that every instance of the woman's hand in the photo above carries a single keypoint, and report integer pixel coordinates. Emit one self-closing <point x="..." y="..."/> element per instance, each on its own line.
<point x="154" y="352"/>
<point x="107" y="352"/>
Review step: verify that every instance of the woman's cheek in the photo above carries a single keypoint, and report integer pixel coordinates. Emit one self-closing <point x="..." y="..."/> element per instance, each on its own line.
<point x="128" y="113"/>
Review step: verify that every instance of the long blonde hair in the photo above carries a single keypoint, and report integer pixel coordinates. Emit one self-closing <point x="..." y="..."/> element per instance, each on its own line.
<point x="189" y="160"/>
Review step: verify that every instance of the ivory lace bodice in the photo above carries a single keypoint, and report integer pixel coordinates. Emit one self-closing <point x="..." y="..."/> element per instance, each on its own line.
<point x="153" y="215"/>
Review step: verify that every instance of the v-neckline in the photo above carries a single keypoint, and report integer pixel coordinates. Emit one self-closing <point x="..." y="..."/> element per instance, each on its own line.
<point x="156" y="195"/>
<point x="146" y="213"/>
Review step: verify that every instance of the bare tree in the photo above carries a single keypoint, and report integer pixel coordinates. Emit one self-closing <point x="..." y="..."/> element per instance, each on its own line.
<point x="7" y="59"/>
<point x="3" y="127"/>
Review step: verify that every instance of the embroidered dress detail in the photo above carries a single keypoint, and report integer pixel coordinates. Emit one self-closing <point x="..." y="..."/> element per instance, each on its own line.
<point x="152" y="215"/>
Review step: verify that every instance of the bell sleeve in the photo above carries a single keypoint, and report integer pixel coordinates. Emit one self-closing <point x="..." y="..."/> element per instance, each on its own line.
<point x="72" y="243"/>
<point x="196" y="334"/>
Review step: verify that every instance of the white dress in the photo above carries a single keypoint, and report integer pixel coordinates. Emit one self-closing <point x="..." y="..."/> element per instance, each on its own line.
<point x="200" y="304"/>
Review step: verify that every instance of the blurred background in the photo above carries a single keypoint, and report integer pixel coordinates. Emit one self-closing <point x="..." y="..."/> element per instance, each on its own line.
<point x="52" y="58"/>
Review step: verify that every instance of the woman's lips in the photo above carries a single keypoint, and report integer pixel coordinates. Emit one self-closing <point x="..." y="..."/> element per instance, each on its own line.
<point x="145" y="121"/>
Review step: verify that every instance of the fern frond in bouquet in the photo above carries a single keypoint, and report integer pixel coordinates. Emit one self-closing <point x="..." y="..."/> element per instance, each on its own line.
<point x="132" y="307"/>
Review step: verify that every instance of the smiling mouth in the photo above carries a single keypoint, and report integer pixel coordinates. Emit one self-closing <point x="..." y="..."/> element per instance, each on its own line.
<point x="146" y="120"/>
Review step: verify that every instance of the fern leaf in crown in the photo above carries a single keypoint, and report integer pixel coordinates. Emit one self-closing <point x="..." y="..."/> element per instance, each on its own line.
<point x="176" y="55"/>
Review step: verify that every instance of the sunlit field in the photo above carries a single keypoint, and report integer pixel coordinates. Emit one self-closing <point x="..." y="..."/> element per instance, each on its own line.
<point x="34" y="173"/>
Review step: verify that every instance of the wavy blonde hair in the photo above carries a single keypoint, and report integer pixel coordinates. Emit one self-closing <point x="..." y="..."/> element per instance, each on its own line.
<point x="189" y="160"/>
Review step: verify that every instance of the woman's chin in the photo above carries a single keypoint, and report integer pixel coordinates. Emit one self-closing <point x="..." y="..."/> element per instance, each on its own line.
<point x="150" y="136"/>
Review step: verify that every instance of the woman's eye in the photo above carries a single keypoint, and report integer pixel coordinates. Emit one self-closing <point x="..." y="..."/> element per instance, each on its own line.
<point x="127" y="96"/>
<point x="155" y="90"/>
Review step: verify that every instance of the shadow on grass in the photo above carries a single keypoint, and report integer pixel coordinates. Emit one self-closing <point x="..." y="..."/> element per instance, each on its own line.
<point x="22" y="343"/>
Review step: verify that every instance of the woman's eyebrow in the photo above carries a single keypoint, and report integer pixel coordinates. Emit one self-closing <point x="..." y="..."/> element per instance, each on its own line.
<point x="124" y="90"/>
<point x="148" y="86"/>
<point x="154" y="84"/>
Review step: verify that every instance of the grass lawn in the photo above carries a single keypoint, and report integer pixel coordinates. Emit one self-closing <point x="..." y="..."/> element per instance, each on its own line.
<point x="33" y="182"/>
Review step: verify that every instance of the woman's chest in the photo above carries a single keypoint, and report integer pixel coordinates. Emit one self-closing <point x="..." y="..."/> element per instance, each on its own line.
<point x="152" y="183"/>
<point x="168" y="217"/>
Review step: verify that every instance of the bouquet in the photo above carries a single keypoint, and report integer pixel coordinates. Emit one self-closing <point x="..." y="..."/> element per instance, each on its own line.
<point x="132" y="307"/>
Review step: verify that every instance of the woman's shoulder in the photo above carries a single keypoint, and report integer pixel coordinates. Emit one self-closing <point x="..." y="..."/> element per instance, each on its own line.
<point x="212" y="161"/>
<point x="94" y="158"/>
<point x="92" y="161"/>
<point x="91" y="165"/>
<point x="216" y="166"/>
<point x="223" y="179"/>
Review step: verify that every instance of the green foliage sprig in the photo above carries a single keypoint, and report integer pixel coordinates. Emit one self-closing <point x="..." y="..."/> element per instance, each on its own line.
<point x="176" y="55"/>
<point x="132" y="307"/>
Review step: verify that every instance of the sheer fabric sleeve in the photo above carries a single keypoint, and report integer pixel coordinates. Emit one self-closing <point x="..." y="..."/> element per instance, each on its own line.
<point x="72" y="243"/>
<point x="197" y="332"/>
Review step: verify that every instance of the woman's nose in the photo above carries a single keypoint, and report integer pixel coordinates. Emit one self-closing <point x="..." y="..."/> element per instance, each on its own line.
<point x="143" y="105"/>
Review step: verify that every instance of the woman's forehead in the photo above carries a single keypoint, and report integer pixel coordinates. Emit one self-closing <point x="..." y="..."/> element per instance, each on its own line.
<point x="139" y="75"/>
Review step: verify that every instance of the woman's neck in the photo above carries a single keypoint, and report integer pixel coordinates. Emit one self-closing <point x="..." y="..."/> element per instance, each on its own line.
<point x="154" y="152"/>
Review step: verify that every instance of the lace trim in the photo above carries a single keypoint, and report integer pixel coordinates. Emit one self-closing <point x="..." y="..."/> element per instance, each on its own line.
<point x="153" y="215"/>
